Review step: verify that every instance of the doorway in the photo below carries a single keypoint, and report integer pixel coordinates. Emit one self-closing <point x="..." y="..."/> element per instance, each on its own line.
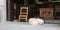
<point x="13" y="8"/>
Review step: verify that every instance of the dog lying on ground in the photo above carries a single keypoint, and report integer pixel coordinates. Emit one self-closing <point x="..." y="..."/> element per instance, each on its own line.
<point x="36" y="21"/>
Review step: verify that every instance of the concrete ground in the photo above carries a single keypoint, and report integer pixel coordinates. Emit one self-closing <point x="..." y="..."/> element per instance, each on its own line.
<point x="26" y="26"/>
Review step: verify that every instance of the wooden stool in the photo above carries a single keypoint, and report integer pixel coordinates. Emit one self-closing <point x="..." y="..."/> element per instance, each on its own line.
<point x="23" y="13"/>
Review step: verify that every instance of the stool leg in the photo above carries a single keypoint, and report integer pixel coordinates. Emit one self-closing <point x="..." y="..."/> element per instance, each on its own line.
<point x="26" y="18"/>
<point x="19" y="18"/>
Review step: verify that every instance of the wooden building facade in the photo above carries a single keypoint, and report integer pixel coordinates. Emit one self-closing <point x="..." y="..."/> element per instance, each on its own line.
<point x="45" y="9"/>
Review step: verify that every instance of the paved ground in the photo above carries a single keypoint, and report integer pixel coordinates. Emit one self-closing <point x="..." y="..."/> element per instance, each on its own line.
<point x="27" y="26"/>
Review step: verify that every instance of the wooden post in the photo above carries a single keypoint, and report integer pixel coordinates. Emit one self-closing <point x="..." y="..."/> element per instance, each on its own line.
<point x="8" y="12"/>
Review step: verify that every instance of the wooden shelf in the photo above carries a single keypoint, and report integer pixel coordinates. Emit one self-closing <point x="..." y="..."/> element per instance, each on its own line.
<point x="55" y="1"/>
<point x="40" y="2"/>
<point x="57" y="16"/>
<point x="57" y="10"/>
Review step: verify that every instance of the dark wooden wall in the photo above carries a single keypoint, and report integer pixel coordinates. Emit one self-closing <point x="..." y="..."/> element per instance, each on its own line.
<point x="33" y="8"/>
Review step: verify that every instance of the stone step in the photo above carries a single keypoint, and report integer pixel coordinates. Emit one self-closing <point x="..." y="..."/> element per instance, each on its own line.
<point x="53" y="21"/>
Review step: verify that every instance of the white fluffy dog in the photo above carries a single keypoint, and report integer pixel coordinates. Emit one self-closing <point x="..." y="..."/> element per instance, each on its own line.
<point x="36" y="21"/>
